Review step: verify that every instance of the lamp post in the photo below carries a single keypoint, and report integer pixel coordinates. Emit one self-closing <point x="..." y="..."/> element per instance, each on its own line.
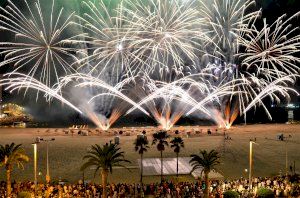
<point x="35" y="163"/>
<point x="251" y="162"/>
<point x="286" y="154"/>
<point x="47" y="157"/>
<point x="34" y="144"/>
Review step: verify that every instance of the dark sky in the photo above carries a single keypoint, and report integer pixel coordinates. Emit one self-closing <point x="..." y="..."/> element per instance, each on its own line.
<point x="271" y="10"/>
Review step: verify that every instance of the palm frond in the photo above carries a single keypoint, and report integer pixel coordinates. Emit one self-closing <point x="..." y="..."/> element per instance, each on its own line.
<point x="104" y="157"/>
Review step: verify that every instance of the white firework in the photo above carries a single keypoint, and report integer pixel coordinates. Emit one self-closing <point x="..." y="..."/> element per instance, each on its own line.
<point x="18" y="81"/>
<point x="273" y="48"/>
<point x="165" y="34"/>
<point x="225" y="21"/>
<point x="107" y="40"/>
<point x="255" y="90"/>
<point x="40" y="46"/>
<point x="87" y="80"/>
<point x="171" y="58"/>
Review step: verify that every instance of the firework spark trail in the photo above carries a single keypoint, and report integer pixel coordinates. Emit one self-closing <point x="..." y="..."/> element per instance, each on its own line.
<point x="217" y="93"/>
<point x="275" y="47"/>
<point x="173" y="90"/>
<point x="269" y="52"/>
<point x="40" y="43"/>
<point x="194" y="53"/>
<point x="167" y="115"/>
<point x="166" y="33"/>
<point x="108" y="39"/>
<point x="18" y="81"/>
<point x="107" y="56"/>
<point x="225" y="22"/>
<point x="88" y="80"/>
<point x="160" y="101"/>
<point x="279" y="86"/>
<point x="100" y="120"/>
<point x="178" y="91"/>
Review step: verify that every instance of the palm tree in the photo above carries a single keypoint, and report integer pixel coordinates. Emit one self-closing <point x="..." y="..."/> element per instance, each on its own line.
<point x="177" y="143"/>
<point x="141" y="146"/>
<point x="9" y="156"/>
<point x="104" y="158"/>
<point x="207" y="162"/>
<point x="160" y="138"/>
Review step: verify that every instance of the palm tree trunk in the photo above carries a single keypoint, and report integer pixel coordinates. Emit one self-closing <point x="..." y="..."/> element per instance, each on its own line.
<point x="141" y="170"/>
<point x="8" y="182"/>
<point x="177" y="165"/>
<point x="207" y="186"/>
<point x="161" y="167"/>
<point x="104" y="174"/>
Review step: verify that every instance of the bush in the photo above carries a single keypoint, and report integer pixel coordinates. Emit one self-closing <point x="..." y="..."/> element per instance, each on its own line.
<point x="24" y="194"/>
<point x="231" y="194"/>
<point x="265" y="193"/>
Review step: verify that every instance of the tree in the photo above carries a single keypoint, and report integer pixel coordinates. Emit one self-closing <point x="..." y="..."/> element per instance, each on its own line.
<point x="12" y="154"/>
<point x="104" y="158"/>
<point x="177" y="143"/>
<point x="141" y="146"/>
<point x="206" y="161"/>
<point x="160" y="138"/>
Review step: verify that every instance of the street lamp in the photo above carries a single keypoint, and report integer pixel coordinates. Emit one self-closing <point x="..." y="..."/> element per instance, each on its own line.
<point x="34" y="144"/>
<point x="47" y="156"/>
<point x="251" y="162"/>
<point x="286" y="153"/>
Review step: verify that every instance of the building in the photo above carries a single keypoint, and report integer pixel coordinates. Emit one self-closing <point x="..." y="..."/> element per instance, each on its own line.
<point x="13" y="115"/>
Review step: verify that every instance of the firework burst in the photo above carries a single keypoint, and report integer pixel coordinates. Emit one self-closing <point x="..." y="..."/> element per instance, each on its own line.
<point x="166" y="58"/>
<point x="107" y="41"/>
<point x="166" y="34"/>
<point x="273" y="48"/>
<point x="225" y="21"/>
<point x="40" y="46"/>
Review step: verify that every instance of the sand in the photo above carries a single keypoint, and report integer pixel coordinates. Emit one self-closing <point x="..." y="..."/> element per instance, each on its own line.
<point x="66" y="152"/>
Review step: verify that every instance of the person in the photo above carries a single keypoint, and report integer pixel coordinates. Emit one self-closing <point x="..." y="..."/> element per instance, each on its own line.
<point x="208" y="132"/>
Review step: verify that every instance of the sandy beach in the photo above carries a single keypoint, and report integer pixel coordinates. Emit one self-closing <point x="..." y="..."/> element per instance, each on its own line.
<point x="66" y="152"/>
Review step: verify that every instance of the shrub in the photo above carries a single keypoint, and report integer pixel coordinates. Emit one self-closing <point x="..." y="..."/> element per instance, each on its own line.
<point x="24" y="194"/>
<point x="265" y="193"/>
<point x="231" y="194"/>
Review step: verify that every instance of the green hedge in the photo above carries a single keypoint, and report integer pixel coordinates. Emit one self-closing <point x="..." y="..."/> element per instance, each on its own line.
<point x="231" y="194"/>
<point x="265" y="193"/>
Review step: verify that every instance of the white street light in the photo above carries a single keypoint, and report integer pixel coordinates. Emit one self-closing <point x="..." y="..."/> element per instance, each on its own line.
<point x="286" y="153"/>
<point x="47" y="157"/>
<point x="251" y="162"/>
<point x="37" y="140"/>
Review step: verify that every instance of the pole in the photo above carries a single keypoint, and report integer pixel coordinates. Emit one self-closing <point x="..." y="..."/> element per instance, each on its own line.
<point x="83" y="177"/>
<point x="162" y="168"/>
<point x="286" y="154"/>
<point x="35" y="165"/>
<point x="286" y="159"/>
<point x="141" y="179"/>
<point x="250" y="165"/>
<point x="47" y="158"/>
<point x="48" y="174"/>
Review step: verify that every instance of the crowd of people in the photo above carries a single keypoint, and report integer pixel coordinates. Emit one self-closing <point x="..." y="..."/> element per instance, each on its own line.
<point x="281" y="187"/>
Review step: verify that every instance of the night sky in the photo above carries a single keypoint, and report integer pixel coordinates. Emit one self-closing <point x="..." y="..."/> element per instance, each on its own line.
<point x="54" y="113"/>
